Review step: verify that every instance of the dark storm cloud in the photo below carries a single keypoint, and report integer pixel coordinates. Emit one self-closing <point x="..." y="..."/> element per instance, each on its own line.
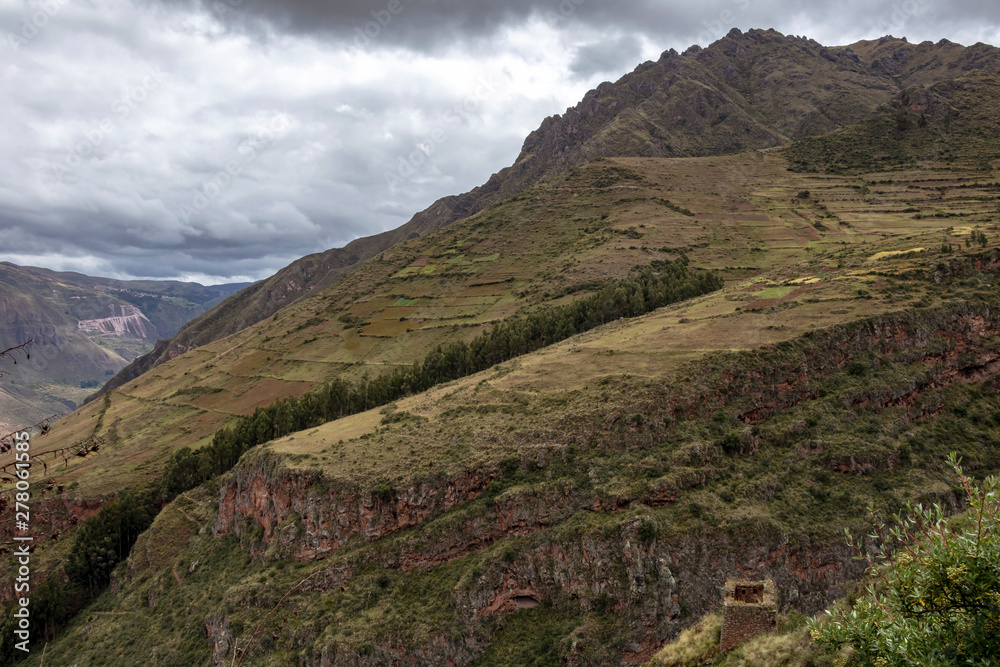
<point x="418" y="24"/>
<point x="433" y="24"/>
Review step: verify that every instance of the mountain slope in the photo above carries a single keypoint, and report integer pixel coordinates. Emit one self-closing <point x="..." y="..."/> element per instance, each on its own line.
<point x="558" y="495"/>
<point x="262" y="299"/>
<point x="746" y="91"/>
<point x="946" y="121"/>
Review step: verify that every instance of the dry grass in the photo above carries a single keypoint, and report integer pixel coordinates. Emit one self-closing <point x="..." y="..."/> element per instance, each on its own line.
<point x="695" y="646"/>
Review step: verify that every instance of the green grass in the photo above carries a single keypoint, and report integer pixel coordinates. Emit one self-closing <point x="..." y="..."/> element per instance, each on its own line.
<point x="694" y="647"/>
<point x="532" y="638"/>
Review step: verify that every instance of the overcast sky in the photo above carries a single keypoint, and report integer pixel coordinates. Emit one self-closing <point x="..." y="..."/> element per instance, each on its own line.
<point x="219" y="140"/>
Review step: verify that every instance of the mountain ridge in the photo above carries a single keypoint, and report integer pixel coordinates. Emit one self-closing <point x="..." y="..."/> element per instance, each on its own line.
<point x="65" y="314"/>
<point x="709" y="105"/>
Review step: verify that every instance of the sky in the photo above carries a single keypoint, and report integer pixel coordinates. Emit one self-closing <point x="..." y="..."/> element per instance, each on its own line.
<point x="220" y="140"/>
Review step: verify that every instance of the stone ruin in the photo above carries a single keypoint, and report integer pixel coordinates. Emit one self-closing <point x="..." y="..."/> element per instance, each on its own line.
<point x="750" y="609"/>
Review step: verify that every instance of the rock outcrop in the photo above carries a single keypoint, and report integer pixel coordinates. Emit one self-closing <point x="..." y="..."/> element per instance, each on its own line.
<point x="129" y="321"/>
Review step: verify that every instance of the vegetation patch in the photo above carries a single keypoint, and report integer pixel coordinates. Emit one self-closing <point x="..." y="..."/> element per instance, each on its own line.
<point x="890" y="254"/>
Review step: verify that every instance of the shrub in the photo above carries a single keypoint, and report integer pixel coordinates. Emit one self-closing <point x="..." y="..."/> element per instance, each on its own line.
<point x="383" y="491"/>
<point x="647" y="532"/>
<point x="731" y="444"/>
<point x="935" y="601"/>
<point x="857" y="368"/>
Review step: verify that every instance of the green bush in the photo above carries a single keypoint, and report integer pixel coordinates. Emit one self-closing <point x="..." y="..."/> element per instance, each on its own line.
<point x="934" y="601"/>
<point x="647" y="532"/>
<point x="383" y="491"/>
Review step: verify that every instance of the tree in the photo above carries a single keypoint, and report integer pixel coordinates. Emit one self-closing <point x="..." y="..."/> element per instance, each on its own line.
<point x="936" y="599"/>
<point x="106" y="539"/>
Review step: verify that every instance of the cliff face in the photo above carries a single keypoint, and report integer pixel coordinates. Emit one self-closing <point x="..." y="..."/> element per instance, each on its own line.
<point x="323" y="521"/>
<point x="652" y="575"/>
<point x="656" y="588"/>
<point x="129" y="321"/>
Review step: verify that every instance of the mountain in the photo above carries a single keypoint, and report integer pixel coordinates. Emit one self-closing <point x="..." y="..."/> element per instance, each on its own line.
<point x="542" y="432"/>
<point x="747" y="91"/>
<point x="84" y="329"/>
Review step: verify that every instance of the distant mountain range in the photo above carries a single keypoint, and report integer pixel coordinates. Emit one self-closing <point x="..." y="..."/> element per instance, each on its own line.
<point x="85" y="329"/>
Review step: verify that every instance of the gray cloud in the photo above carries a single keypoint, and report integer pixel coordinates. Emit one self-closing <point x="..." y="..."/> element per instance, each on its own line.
<point x="419" y="24"/>
<point x="607" y="56"/>
<point x="439" y="24"/>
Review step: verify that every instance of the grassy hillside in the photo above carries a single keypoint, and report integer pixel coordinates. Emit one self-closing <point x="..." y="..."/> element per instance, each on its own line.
<point x="632" y="503"/>
<point x="604" y="391"/>
<point x="749" y="222"/>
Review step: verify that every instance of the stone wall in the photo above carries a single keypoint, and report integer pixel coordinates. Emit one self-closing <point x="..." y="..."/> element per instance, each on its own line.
<point x="743" y="616"/>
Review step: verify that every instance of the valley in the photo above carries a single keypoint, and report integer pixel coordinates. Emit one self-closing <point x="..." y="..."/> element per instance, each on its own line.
<point x="84" y="330"/>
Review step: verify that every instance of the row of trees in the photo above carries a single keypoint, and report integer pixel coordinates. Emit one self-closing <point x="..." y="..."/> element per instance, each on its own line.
<point x="652" y="287"/>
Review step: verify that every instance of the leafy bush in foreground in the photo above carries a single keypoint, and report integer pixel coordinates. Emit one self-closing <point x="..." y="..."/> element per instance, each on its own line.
<point x="936" y="600"/>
